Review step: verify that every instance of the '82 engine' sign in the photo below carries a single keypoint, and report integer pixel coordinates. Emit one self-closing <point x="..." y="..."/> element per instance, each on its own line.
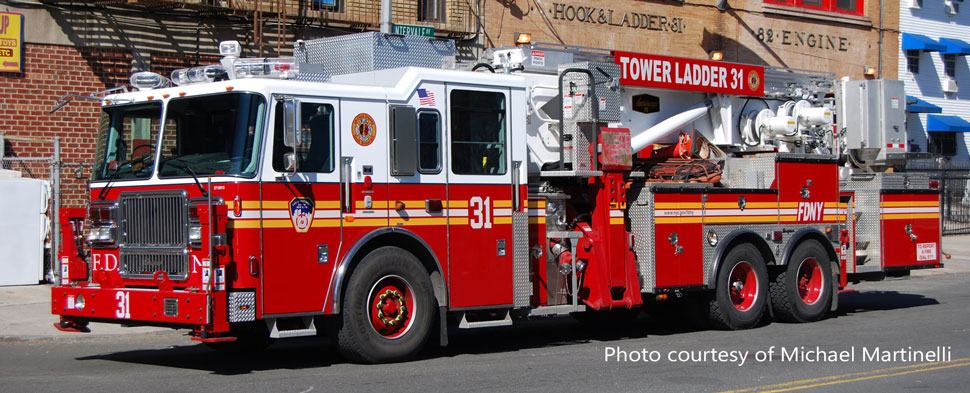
<point x="667" y="72"/>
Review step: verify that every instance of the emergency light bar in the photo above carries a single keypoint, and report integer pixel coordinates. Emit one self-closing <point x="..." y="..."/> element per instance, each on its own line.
<point x="147" y="80"/>
<point x="209" y="73"/>
<point x="279" y="68"/>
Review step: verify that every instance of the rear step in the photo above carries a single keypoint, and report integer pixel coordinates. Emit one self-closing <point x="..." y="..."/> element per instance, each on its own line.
<point x="292" y="327"/>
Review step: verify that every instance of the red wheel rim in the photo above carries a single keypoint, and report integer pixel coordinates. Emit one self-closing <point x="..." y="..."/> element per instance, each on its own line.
<point x="743" y="286"/>
<point x="391" y="306"/>
<point x="810" y="281"/>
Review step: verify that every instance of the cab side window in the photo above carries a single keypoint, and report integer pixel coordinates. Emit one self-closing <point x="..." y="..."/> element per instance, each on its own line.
<point x="478" y="132"/>
<point x="314" y="152"/>
<point x="429" y="142"/>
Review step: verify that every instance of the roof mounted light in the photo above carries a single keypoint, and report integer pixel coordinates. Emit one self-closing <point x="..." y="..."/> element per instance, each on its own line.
<point x="523" y="38"/>
<point x="147" y="80"/>
<point x="230" y="48"/>
<point x="279" y="68"/>
<point x="209" y="73"/>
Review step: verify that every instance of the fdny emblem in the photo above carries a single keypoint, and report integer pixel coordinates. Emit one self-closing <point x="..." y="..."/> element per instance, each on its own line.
<point x="363" y="129"/>
<point x="754" y="80"/>
<point x="301" y="213"/>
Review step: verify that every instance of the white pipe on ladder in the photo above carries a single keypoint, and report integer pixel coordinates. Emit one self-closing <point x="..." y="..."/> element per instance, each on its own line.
<point x="671" y="124"/>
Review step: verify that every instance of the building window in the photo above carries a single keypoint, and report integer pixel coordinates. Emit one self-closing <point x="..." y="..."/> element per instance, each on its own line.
<point x="854" y="7"/>
<point x="429" y="142"/>
<point x="431" y="11"/>
<point x="912" y="60"/>
<point x="950" y="65"/>
<point x="942" y="142"/>
<point x="477" y="132"/>
<point x="327" y="5"/>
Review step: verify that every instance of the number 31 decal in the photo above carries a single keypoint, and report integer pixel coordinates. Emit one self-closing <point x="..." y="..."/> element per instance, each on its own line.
<point x="481" y="211"/>
<point x="124" y="304"/>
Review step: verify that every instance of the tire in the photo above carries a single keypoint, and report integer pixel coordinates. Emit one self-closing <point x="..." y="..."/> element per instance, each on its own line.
<point x="250" y="338"/>
<point x="803" y="291"/>
<point x="741" y="289"/>
<point x="387" y="310"/>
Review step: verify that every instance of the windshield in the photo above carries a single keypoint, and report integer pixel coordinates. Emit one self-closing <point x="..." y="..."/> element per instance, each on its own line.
<point x="126" y="141"/>
<point x="212" y="135"/>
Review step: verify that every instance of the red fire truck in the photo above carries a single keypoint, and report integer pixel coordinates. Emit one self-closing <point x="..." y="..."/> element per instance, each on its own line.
<point x="377" y="190"/>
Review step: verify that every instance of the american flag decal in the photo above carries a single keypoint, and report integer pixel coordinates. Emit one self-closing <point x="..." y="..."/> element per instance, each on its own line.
<point x="425" y="97"/>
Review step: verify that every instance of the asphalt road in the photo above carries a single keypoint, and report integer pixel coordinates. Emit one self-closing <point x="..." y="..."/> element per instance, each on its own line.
<point x="921" y="313"/>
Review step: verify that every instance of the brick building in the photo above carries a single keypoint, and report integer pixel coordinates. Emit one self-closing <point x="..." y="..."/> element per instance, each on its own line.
<point x="839" y="36"/>
<point x="81" y="47"/>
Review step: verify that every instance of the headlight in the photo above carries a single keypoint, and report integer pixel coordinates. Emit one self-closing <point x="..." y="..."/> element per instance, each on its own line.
<point x="103" y="235"/>
<point x="195" y="235"/>
<point x="79" y="303"/>
<point x="104" y="230"/>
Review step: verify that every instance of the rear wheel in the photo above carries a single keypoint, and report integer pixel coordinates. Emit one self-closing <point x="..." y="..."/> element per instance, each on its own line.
<point x="739" y="297"/>
<point x="803" y="291"/>
<point x="388" y="308"/>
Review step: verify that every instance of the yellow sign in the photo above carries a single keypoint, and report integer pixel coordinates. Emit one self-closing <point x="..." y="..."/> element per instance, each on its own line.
<point x="11" y="42"/>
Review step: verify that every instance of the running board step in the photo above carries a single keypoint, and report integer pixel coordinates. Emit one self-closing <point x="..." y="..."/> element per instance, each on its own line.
<point x="465" y="324"/>
<point x="303" y="329"/>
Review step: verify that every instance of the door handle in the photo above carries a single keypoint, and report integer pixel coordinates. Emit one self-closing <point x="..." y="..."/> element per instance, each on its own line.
<point x="345" y="179"/>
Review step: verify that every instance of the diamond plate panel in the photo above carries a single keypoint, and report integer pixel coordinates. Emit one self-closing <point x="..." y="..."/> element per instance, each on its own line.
<point x="640" y="216"/>
<point x="322" y="58"/>
<point x="520" y="254"/>
<point x="868" y="226"/>
<point x="242" y="306"/>
<point x="751" y="172"/>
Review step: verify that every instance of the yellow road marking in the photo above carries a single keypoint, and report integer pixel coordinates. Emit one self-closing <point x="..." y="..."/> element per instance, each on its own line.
<point x="855" y="377"/>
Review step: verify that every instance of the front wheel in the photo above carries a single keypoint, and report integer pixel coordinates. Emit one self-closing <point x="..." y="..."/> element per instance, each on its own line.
<point x="388" y="308"/>
<point x="803" y="291"/>
<point x="742" y="286"/>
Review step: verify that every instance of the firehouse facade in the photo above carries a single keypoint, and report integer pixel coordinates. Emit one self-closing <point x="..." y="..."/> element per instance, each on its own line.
<point x="842" y="37"/>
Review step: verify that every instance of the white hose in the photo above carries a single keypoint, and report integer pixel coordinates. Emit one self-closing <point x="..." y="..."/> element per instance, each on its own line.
<point x="671" y="124"/>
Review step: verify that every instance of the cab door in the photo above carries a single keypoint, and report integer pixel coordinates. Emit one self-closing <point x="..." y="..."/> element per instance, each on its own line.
<point x="418" y="177"/>
<point x="299" y="214"/>
<point x="479" y="168"/>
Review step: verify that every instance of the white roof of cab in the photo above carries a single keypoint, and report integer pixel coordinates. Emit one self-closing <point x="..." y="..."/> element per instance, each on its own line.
<point x="390" y="84"/>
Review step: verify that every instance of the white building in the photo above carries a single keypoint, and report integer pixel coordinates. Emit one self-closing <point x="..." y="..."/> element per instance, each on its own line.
<point x="933" y="65"/>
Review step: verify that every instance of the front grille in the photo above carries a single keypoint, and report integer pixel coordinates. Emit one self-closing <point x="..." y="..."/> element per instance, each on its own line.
<point x="154" y="234"/>
<point x="154" y="219"/>
<point x="144" y="265"/>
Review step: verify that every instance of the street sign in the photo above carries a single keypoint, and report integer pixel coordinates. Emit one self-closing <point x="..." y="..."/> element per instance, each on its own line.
<point x="426" y="31"/>
<point x="11" y="42"/>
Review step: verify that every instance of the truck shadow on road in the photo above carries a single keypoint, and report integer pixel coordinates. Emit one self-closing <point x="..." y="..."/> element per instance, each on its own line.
<point x="866" y="301"/>
<point x="315" y="352"/>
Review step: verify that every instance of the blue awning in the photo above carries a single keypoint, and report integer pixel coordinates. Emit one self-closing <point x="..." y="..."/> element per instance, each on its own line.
<point x="946" y="123"/>
<point x="921" y="42"/>
<point x="914" y="104"/>
<point x="955" y="47"/>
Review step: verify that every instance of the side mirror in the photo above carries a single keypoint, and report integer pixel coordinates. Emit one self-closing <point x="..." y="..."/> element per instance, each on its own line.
<point x="291" y="130"/>
<point x="291" y="134"/>
<point x="289" y="162"/>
